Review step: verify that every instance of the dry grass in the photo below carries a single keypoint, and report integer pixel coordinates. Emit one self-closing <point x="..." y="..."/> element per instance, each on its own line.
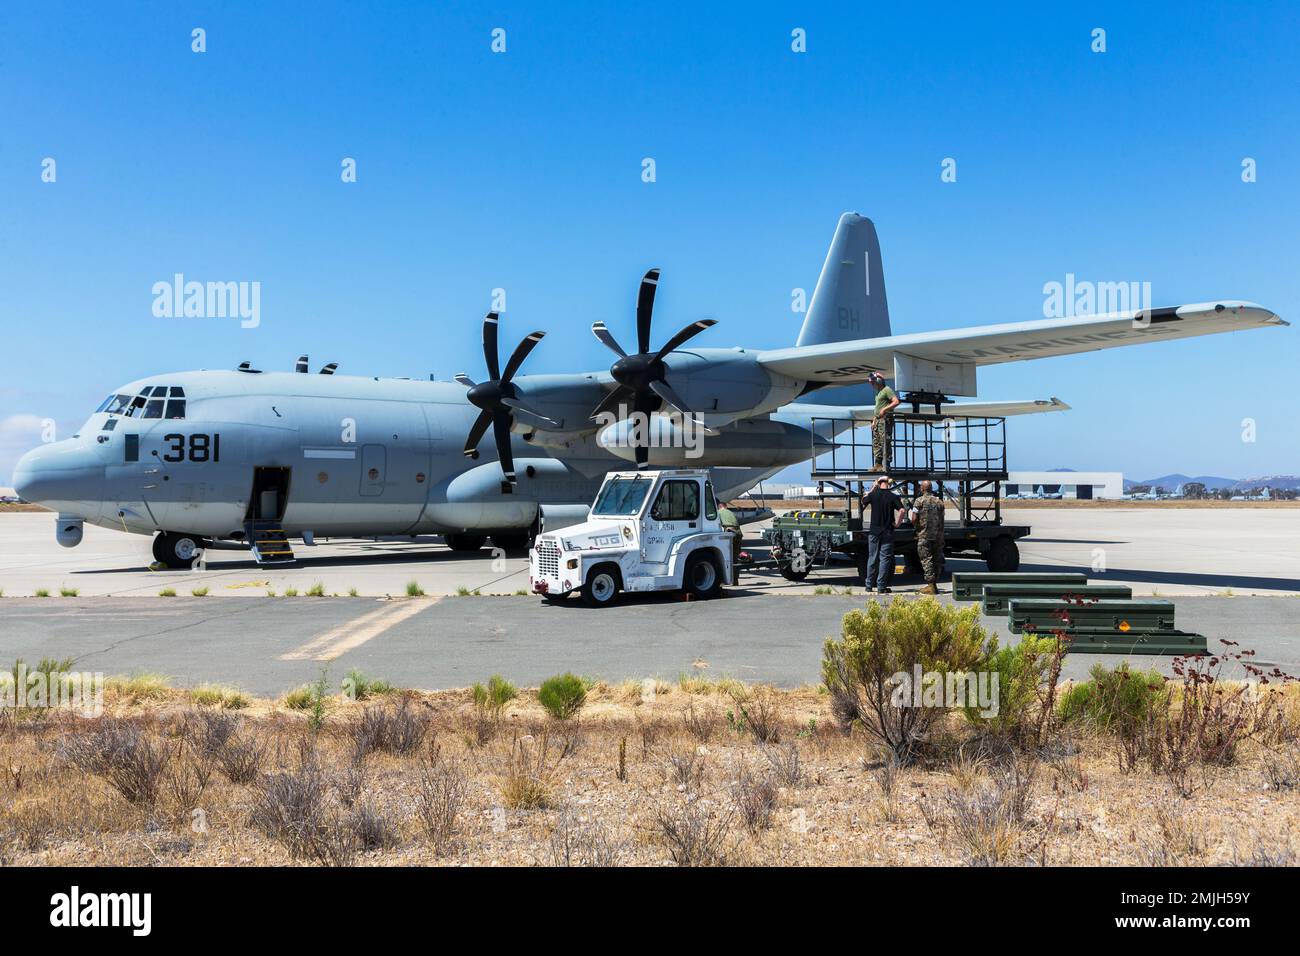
<point x="161" y="780"/>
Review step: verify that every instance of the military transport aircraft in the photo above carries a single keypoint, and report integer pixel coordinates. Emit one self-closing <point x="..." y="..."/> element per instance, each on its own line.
<point x="250" y="459"/>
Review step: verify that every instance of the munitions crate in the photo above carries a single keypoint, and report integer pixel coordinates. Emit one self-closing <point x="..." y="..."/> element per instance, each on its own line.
<point x="811" y="521"/>
<point x="969" y="585"/>
<point x="998" y="596"/>
<point x="1114" y="617"/>
<point x="1162" y="643"/>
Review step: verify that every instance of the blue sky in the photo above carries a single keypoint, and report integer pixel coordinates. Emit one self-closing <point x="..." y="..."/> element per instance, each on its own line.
<point x="522" y="171"/>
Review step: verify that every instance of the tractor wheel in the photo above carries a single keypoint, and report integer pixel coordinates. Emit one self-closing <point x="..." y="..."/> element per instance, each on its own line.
<point x="701" y="578"/>
<point x="601" y="589"/>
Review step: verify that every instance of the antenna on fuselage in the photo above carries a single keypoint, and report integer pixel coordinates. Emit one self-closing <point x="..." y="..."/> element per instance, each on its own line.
<point x="302" y="364"/>
<point x="329" y="369"/>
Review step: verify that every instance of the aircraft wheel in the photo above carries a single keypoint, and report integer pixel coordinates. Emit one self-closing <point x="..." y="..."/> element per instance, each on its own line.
<point x="177" y="550"/>
<point x="464" y="543"/>
<point x="702" y="579"/>
<point x="515" y="544"/>
<point x="1004" y="555"/>
<point x="601" y="589"/>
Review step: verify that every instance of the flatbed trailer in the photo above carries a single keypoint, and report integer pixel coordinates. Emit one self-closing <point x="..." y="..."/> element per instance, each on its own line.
<point x="964" y="455"/>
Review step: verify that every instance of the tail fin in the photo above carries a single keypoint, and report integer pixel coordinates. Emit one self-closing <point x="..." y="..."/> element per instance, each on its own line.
<point x="849" y="301"/>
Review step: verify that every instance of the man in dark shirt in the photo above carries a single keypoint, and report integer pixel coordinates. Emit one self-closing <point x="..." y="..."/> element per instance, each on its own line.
<point x="886" y="509"/>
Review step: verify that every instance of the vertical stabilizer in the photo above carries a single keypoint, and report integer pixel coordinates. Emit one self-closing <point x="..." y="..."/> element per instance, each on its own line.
<point x="849" y="301"/>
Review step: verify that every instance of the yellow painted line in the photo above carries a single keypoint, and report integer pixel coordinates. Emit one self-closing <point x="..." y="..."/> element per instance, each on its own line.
<point x="352" y="634"/>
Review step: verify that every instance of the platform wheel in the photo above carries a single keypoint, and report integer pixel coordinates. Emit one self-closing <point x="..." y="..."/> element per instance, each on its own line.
<point x="1003" y="555"/>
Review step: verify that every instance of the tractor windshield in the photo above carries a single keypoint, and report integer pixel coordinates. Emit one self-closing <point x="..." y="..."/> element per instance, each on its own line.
<point x="621" y="496"/>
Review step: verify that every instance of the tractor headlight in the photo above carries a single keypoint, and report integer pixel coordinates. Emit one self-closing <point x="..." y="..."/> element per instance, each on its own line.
<point x="571" y="564"/>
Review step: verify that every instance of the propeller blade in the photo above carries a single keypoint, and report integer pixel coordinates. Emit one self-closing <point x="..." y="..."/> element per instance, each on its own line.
<point x="501" y="431"/>
<point x="644" y="405"/>
<point x="645" y="306"/>
<point x="666" y="392"/>
<point x="686" y="334"/>
<point x="527" y="410"/>
<point x="476" y="433"/>
<point x="612" y="401"/>
<point x="464" y="380"/>
<point x="598" y="329"/>
<point x="521" y="352"/>
<point x="490" y="345"/>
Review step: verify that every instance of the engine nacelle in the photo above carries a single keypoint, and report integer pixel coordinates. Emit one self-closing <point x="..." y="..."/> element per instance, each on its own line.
<point x="675" y="443"/>
<point x="68" y="530"/>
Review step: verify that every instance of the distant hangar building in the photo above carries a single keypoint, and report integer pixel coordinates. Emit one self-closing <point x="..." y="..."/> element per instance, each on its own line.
<point x="1067" y="484"/>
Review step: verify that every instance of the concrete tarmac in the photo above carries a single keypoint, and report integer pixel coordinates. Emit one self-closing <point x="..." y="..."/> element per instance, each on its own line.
<point x="268" y="645"/>
<point x="1158" y="551"/>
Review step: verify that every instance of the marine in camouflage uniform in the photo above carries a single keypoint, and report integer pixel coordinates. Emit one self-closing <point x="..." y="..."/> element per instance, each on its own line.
<point x="882" y="423"/>
<point x="927" y="519"/>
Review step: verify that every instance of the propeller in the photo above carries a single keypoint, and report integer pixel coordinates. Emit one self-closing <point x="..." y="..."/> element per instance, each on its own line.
<point x="499" y="399"/>
<point x="640" y="377"/>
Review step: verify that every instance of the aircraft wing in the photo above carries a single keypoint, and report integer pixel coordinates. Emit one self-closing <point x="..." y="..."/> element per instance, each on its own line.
<point x="844" y="362"/>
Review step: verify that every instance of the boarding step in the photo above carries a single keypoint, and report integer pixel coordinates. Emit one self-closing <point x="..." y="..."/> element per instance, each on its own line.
<point x="969" y="585"/>
<point x="1119" y="618"/>
<point x="269" y="542"/>
<point x="998" y="597"/>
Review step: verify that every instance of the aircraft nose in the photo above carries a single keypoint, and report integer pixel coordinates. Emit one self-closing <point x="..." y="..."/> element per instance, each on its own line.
<point x="63" y="477"/>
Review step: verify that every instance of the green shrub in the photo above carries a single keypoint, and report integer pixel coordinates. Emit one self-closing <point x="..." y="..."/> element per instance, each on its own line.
<point x="316" y="590"/>
<point x="876" y="645"/>
<point x="562" y="696"/>
<point x="1117" y="700"/>
<point x="167" y="592"/>
<point x="67" y="592"/>
<point x="413" y="589"/>
<point x="1021" y="671"/>
<point x="200" y="592"/>
<point x="494" y="697"/>
<point x="42" y="592"/>
<point x="360" y="687"/>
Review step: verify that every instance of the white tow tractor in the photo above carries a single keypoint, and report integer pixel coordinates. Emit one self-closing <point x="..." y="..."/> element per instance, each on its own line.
<point x="647" y="531"/>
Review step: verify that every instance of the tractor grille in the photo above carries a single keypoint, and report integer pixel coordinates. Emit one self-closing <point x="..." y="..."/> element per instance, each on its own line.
<point x="548" y="559"/>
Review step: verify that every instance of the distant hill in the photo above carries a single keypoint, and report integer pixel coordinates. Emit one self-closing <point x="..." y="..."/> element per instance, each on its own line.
<point x="1170" y="482"/>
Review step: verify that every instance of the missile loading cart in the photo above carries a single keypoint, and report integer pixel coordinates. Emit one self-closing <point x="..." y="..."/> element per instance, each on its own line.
<point x="964" y="455"/>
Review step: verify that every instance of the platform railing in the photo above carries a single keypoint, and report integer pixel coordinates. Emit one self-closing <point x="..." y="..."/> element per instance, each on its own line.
<point x="952" y="447"/>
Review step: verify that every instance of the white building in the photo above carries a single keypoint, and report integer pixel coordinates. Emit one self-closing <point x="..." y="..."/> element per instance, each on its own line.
<point x="1067" y="484"/>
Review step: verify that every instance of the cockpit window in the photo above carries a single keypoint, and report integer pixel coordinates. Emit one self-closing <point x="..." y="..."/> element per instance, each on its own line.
<point x="114" y="404"/>
<point x="154" y="401"/>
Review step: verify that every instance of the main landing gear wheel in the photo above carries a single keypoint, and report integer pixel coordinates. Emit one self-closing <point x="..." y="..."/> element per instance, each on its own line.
<point x="797" y="568"/>
<point x="177" y="550"/>
<point x="601" y="589"/>
<point x="1004" y="555"/>
<point x="511" y="543"/>
<point x="702" y="579"/>
<point x="464" y="543"/>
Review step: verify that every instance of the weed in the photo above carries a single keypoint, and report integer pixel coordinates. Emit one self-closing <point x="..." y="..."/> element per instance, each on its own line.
<point x="413" y="589"/>
<point x="562" y="696"/>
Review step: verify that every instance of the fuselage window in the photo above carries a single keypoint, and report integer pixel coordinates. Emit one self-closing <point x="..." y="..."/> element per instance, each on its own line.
<point x="110" y="424"/>
<point x="176" y="407"/>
